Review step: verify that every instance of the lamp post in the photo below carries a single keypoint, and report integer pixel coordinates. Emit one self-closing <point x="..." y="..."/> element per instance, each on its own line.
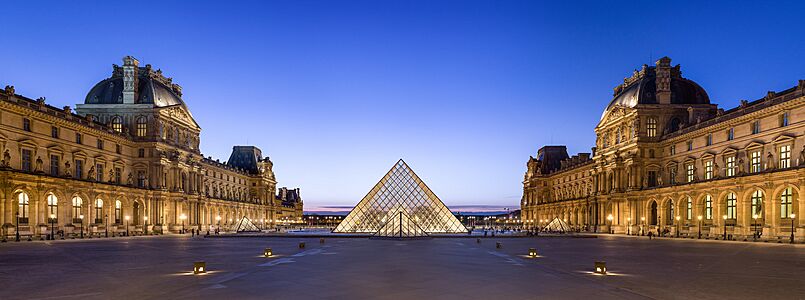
<point x="17" y="227"/>
<point x="792" y="226"/>
<point x="677" y="226"/>
<point x="183" y="217"/>
<point x="725" y="227"/>
<point x="700" y="226"/>
<point x="145" y="220"/>
<point x="52" y="228"/>
<point x="82" y="225"/>
<point x="218" y="218"/>
<point x="106" y="228"/>
<point x="609" y="217"/>
<point x="642" y="223"/>
<point x="754" y="225"/>
<point x="629" y="226"/>
<point x="127" y="225"/>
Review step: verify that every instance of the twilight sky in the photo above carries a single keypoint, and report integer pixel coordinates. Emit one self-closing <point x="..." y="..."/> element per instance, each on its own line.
<point x="464" y="91"/>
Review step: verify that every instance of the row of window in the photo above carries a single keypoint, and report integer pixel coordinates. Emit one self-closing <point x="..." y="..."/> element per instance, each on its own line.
<point x="731" y="204"/>
<point x="23" y="212"/>
<point x="755" y="128"/>
<point x="755" y="166"/>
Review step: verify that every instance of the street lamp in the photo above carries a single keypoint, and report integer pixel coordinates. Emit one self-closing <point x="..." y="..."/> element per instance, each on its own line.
<point x="677" y="226"/>
<point x="52" y="228"/>
<point x="183" y="217"/>
<point x="754" y="224"/>
<point x="106" y="228"/>
<point x="609" y="217"/>
<point x="629" y="226"/>
<point x="17" y="227"/>
<point x="642" y="222"/>
<point x="145" y="220"/>
<point x="127" y="225"/>
<point x="792" y="226"/>
<point x="82" y="225"/>
<point x="218" y="218"/>
<point x="700" y="226"/>
<point x="725" y="227"/>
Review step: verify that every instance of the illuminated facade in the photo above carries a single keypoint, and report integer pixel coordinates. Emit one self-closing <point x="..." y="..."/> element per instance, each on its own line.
<point x="400" y="204"/>
<point x="129" y="155"/>
<point x="668" y="161"/>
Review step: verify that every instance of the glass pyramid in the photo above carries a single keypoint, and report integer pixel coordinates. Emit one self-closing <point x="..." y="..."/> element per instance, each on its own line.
<point x="400" y="190"/>
<point x="246" y="225"/>
<point x="556" y="225"/>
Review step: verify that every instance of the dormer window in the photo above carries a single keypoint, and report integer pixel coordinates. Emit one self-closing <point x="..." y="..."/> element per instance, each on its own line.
<point x="756" y="127"/>
<point x="651" y="127"/>
<point x="784" y="119"/>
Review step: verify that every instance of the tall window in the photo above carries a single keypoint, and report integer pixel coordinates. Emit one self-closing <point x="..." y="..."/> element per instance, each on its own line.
<point x="22" y="201"/>
<point x="690" y="145"/>
<point x="755" y="161"/>
<point x="689" y="210"/>
<point x="99" y="172"/>
<point x="708" y="207"/>
<point x="731" y="134"/>
<point x="118" y="211"/>
<point x="100" y="144"/>
<point x="786" y="203"/>
<point x="54" y="132"/>
<point x="731" y="206"/>
<point x="651" y="127"/>
<point x="784" y="119"/>
<point x="618" y="136"/>
<point x="757" y="204"/>
<point x="141" y="179"/>
<point x="731" y="166"/>
<point x="53" y="208"/>
<point x="142" y="126"/>
<point x="117" y="124"/>
<point x="26" y="160"/>
<point x="26" y="124"/>
<point x="671" y="214"/>
<point x="709" y="139"/>
<point x="54" y="165"/>
<point x="118" y="175"/>
<point x="77" y="138"/>
<point x="672" y="175"/>
<point x="77" y="204"/>
<point x="79" y="168"/>
<point x="689" y="172"/>
<point x="708" y="169"/>
<point x="785" y="156"/>
<point x="756" y="127"/>
<point x="98" y="211"/>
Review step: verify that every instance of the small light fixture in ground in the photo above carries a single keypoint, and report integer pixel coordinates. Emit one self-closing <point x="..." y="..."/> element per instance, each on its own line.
<point x="498" y="245"/>
<point x="301" y="245"/>
<point x="532" y="252"/>
<point x="199" y="267"/>
<point x="267" y="252"/>
<point x="601" y="267"/>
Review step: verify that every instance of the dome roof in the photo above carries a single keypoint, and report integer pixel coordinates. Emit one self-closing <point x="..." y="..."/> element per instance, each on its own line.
<point x="151" y="88"/>
<point x="642" y="88"/>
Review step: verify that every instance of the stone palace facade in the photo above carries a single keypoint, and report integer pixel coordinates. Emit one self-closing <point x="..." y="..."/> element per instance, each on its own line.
<point x="128" y="156"/>
<point x="668" y="161"/>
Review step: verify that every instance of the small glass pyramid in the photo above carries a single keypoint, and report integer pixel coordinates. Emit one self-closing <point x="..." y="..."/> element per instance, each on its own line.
<point x="400" y="194"/>
<point x="246" y="225"/>
<point x="556" y="225"/>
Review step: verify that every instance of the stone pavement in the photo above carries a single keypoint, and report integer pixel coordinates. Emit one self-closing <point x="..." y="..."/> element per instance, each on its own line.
<point x="361" y="268"/>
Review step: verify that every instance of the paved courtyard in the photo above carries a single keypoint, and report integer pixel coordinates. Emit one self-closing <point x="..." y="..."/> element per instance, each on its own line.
<point x="359" y="268"/>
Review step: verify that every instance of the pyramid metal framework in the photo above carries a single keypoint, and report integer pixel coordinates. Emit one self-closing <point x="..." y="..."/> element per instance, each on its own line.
<point x="246" y="225"/>
<point x="400" y="225"/>
<point x="400" y="190"/>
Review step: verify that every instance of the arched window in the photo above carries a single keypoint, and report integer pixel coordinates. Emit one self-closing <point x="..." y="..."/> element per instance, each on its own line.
<point x="786" y="203"/>
<point x="77" y="204"/>
<point x="757" y="204"/>
<point x="118" y="211"/>
<point x="653" y="219"/>
<point x="671" y="214"/>
<point x="98" y="211"/>
<point x="689" y="210"/>
<point x="708" y="207"/>
<point x="142" y="126"/>
<point x="22" y="213"/>
<point x="731" y="206"/>
<point x="117" y="124"/>
<point x="53" y="208"/>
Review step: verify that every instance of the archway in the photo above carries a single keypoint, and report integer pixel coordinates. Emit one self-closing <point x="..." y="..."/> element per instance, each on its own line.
<point x="653" y="213"/>
<point x="136" y="213"/>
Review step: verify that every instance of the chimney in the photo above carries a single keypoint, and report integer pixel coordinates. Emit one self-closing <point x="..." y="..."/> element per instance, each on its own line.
<point x="663" y="81"/>
<point x="130" y="81"/>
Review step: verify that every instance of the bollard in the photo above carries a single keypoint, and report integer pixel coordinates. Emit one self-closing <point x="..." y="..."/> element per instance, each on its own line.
<point x="532" y="252"/>
<point x="498" y="245"/>
<point x="267" y="252"/>
<point x="478" y="240"/>
<point x="301" y="245"/>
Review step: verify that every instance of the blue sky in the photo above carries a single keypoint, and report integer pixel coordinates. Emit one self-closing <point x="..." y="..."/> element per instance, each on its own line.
<point x="336" y="91"/>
